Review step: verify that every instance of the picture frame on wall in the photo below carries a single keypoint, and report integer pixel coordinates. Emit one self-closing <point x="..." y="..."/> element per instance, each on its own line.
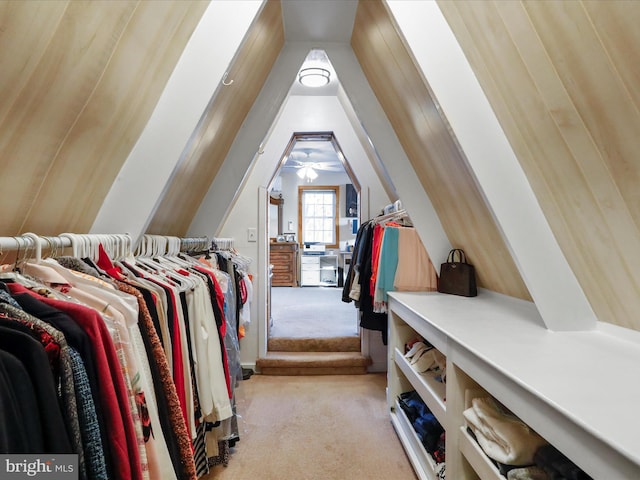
<point x="351" y="201"/>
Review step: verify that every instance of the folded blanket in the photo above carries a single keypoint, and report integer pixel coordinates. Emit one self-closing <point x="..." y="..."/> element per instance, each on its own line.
<point x="501" y="435"/>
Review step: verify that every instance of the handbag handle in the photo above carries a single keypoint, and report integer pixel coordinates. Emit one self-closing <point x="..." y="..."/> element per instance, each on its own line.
<point x="452" y="254"/>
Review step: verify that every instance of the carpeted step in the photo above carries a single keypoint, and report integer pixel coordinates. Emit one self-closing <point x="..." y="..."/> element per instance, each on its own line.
<point x="333" y="344"/>
<point x="313" y="363"/>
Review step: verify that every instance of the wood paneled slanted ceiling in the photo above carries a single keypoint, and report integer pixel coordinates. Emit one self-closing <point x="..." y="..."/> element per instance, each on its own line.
<point x="79" y="82"/>
<point x="431" y="148"/>
<point x="223" y="119"/>
<point x="563" y="79"/>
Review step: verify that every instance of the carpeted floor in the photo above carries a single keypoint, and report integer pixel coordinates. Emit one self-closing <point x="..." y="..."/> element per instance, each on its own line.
<point x="311" y="312"/>
<point x="333" y="427"/>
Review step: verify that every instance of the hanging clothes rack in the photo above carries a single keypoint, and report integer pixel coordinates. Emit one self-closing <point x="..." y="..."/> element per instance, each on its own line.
<point x="117" y="246"/>
<point x="398" y="215"/>
<point x="190" y="294"/>
<point x="159" y="245"/>
<point x="195" y="244"/>
<point x="29" y="241"/>
<point x="222" y="243"/>
<point x="392" y="207"/>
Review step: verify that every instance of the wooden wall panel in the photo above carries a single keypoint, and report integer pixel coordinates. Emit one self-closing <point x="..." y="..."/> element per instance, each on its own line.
<point x="433" y="152"/>
<point x="224" y="117"/>
<point x="562" y="78"/>
<point x="22" y="50"/>
<point x="80" y="85"/>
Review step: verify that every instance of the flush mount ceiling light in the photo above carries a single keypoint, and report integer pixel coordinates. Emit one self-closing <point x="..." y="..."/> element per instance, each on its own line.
<point x="314" y="77"/>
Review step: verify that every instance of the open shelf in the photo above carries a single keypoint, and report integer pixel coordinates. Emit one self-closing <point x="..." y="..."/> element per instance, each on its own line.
<point x="319" y="270"/>
<point x="422" y="462"/>
<point x="498" y="345"/>
<point x="430" y="390"/>
<point x="485" y="469"/>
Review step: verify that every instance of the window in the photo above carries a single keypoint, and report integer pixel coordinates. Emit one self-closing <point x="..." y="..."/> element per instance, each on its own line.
<point x="318" y="215"/>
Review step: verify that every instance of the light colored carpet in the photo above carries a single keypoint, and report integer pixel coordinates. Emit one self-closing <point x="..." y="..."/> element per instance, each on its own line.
<point x="311" y="312"/>
<point x="315" y="428"/>
<point x="329" y="344"/>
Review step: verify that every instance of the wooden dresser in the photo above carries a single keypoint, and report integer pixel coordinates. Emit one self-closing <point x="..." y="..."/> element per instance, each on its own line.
<point x="284" y="258"/>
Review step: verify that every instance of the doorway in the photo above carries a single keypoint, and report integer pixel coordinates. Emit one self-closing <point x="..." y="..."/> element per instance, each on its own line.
<point x="312" y="221"/>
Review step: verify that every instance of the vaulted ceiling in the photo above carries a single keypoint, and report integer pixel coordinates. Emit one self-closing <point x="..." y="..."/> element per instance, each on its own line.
<point x="80" y="81"/>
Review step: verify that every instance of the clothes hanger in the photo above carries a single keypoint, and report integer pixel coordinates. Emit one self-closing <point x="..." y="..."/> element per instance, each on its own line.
<point x="153" y="246"/>
<point x="14" y="273"/>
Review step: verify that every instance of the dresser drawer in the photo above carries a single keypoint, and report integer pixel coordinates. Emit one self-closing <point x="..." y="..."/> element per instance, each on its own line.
<point x="281" y="268"/>
<point x="309" y="260"/>
<point x="281" y="257"/>
<point x="283" y="279"/>
<point x="286" y="247"/>
<point x="310" y="277"/>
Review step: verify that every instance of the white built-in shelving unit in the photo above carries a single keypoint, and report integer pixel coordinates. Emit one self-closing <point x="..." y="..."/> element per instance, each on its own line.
<point x="573" y="388"/>
<point x="319" y="270"/>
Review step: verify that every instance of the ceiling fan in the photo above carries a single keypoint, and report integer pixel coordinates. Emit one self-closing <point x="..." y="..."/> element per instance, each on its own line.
<point x="307" y="167"/>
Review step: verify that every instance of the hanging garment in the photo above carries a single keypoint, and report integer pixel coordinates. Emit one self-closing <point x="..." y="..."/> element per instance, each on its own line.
<point x="387" y="265"/>
<point x="81" y="343"/>
<point x="415" y="272"/>
<point x="106" y="342"/>
<point x="112" y="391"/>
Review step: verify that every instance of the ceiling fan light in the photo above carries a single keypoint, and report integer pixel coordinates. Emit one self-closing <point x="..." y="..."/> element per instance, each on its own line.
<point x="307" y="173"/>
<point x="314" y="77"/>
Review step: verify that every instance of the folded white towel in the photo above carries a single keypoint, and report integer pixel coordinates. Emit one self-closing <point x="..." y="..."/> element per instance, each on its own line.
<point x="415" y="349"/>
<point x="503" y="437"/>
<point x="430" y="360"/>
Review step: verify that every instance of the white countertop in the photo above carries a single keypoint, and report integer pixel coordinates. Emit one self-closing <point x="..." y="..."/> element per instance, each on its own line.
<point x="590" y="377"/>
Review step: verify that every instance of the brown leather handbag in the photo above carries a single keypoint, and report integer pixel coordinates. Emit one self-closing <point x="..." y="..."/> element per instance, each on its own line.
<point x="457" y="277"/>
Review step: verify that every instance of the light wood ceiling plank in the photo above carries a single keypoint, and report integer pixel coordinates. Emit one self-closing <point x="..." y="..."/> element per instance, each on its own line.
<point x="230" y="107"/>
<point x="26" y="29"/>
<point x="52" y="98"/>
<point x="533" y="133"/>
<point x="433" y="152"/>
<point x="612" y="174"/>
<point x="616" y="25"/>
<point x="596" y="89"/>
<point x="535" y="100"/>
<point x="117" y="111"/>
<point x="582" y="186"/>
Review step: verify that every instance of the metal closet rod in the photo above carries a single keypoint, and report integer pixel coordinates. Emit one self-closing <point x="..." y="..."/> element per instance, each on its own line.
<point x="82" y="245"/>
<point x="86" y="245"/>
<point x="20" y="242"/>
<point x="153" y="245"/>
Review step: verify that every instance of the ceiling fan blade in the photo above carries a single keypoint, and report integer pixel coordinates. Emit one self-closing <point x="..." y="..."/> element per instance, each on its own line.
<point x="328" y="166"/>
